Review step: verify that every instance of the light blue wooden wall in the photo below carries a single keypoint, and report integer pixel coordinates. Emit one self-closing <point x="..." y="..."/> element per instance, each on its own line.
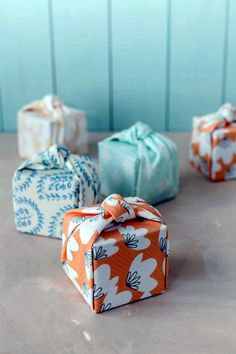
<point x="159" y="61"/>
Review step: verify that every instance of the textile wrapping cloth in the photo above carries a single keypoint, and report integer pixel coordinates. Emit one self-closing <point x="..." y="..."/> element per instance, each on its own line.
<point x="48" y="185"/>
<point x="213" y="144"/>
<point x="47" y="122"/>
<point x="116" y="252"/>
<point x="139" y="161"/>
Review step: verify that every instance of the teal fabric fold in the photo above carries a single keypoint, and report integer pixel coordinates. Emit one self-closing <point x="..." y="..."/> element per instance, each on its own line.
<point x="157" y="167"/>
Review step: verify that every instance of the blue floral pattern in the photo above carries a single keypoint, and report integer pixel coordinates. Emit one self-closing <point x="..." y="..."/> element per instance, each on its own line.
<point x="55" y="224"/>
<point x="49" y="185"/>
<point x="22" y="180"/>
<point x="88" y="176"/>
<point x="28" y="217"/>
<point x="49" y="159"/>
<point x="58" y="186"/>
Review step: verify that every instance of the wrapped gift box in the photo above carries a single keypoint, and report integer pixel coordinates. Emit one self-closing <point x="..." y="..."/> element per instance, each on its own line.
<point x="213" y="144"/>
<point x="138" y="161"/>
<point x="48" y="185"/>
<point x="47" y="122"/>
<point x="115" y="253"/>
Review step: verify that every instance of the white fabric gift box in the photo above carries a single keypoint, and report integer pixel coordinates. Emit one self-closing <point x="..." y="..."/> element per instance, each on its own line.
<point x="47" y="122"/>
<point x="50" y="184"/>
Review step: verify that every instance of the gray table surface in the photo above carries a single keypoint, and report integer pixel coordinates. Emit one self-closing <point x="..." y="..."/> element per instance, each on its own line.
<point x="42" y="312"/>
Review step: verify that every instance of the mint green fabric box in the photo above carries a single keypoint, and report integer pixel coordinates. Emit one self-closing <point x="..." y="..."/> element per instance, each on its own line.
<point x="139" y="162"/>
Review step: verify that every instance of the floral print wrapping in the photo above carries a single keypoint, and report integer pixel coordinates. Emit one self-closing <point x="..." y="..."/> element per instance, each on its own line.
<point x="40" y="126"/>
<point x="213" y="144"/>
<point x="50" y="184"/>
<point x="116" y="252"/>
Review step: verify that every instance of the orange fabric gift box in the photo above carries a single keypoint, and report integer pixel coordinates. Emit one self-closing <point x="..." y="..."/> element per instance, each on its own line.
<point x="213" y="144"/>
<point x="116" y="252"/>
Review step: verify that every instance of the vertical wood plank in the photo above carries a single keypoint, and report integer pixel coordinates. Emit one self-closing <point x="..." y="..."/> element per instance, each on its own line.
<point x="25" y="68"/>
<point x="230" y="94"/>
<point x="197" y="44"/>
<point x="139" y="62"/>
<point x="81" y="48"/>
<point x="1" y="115"/>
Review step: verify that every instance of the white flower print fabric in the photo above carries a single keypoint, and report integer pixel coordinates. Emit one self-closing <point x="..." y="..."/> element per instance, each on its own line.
<point x="103" y="248"/>
<point x="213" y="143"/>
<point x="108" y="288"/>
<point x="224" y="151"/>
<point x="72" y="246"/>
<point x="121" y="257"/>
<point x="139" y="275"/>
<point x="134" y="238"/>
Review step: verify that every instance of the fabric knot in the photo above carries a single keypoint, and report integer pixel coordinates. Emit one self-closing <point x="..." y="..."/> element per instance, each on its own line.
<point x="224" y="117"/>
<point x="55" y="157"/>
<point x="118" y="208"/>
<point x="53" y="107"/>
<point x="227" y="112"/>
<point x="140" y="131"/>
<point x="82" y="169"/>
<point x="152" y="152"/>
<point x="90" y="222"/>
<point x="50" y="106"/>
<point x="52" y="103"/>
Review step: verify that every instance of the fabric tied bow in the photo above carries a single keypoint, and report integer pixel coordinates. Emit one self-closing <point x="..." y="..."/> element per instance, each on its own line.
<point x="222" y="118"/>
<point x="52" y="107"/>
<point x="89" y="223"/>
<point x="154" y="150"/>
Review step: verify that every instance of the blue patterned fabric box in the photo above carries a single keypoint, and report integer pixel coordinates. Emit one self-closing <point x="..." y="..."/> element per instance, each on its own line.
<point x="50" y="184"/>
<point x="139" y="161"/>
